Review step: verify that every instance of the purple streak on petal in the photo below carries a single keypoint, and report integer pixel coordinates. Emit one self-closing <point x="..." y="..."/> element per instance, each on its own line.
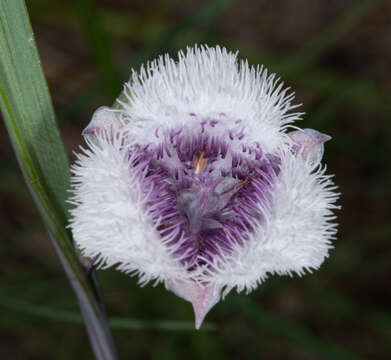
<point x="201" y="207"/>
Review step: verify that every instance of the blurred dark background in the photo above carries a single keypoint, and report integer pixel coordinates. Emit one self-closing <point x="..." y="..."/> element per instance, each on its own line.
<point x="336" y="55"/>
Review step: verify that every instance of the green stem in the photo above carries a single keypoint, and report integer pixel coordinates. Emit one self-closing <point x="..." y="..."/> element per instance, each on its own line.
<point x="30" y="120"/>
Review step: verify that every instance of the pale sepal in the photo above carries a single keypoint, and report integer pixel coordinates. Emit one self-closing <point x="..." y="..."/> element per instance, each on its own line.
<point x="104" y="120"/>
<point x="202" y="297"/>
<point x="309" y="143"/>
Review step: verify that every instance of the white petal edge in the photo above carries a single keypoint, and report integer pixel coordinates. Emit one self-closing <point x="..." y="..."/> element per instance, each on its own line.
<point x="296" y="235"/>
<point x="208" y="83"/>
<point x="109" y="221"/>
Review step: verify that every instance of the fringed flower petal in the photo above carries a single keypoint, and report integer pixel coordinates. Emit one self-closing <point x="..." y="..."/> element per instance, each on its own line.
<point x="195" y="180"/>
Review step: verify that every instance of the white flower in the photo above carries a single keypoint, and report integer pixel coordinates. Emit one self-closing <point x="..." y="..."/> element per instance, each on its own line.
<point x="196" y="182"/>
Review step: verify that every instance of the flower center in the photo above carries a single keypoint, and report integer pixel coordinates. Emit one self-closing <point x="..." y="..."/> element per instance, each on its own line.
<point x="202" y="195"/>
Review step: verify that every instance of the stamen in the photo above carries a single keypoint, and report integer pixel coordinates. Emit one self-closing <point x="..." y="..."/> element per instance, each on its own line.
<point x="199" y="163"/>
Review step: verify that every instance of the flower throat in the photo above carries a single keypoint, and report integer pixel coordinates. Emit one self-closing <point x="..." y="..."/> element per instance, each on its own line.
<point x="204" y="196"/>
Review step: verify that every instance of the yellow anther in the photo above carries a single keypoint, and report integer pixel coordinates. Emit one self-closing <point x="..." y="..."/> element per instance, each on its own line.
<point x="199" y="163"/>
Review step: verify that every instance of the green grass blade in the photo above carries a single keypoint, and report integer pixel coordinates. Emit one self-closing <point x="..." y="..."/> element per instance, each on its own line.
<point x="27" y="109"/>
<point x="30" y="120"/>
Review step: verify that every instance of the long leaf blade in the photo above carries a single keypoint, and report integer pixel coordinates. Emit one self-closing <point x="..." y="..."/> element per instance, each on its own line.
<point x="30" y="120"/>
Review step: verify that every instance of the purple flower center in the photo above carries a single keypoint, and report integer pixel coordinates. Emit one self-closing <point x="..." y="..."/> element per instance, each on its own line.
<point x="203" y="196"/>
